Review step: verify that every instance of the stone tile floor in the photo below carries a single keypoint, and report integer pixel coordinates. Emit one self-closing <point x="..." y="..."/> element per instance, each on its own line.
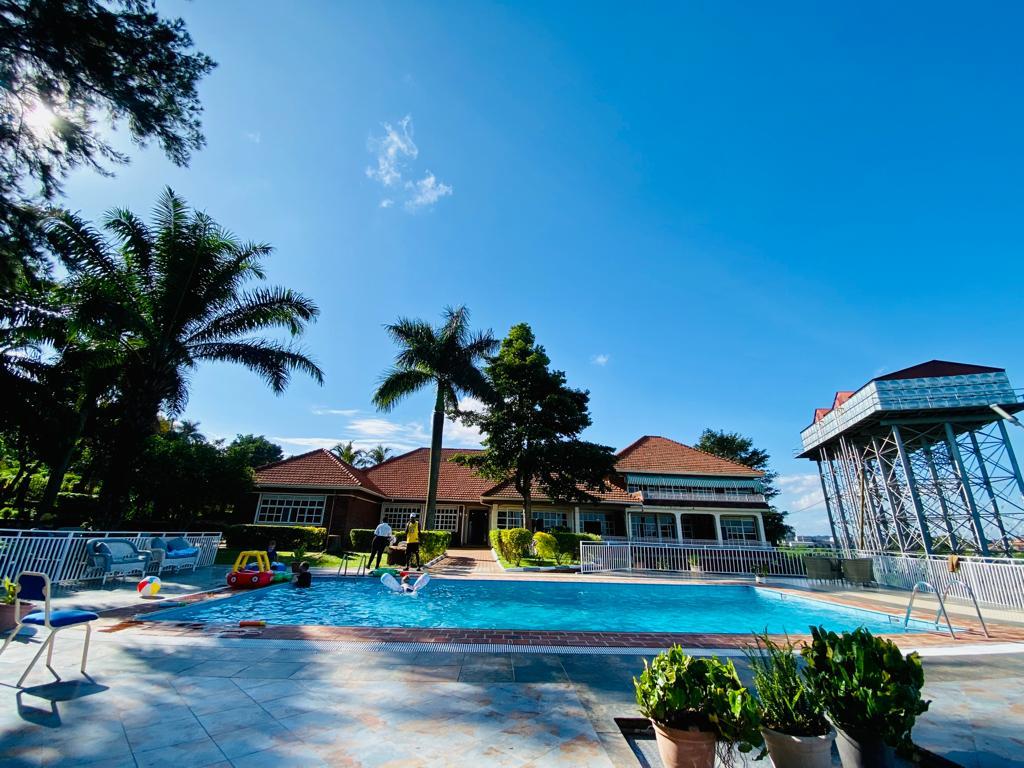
<point x="198" y="702"/>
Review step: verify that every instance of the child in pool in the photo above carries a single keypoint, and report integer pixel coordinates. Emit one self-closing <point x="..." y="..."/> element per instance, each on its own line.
<point x="304" y="578"/>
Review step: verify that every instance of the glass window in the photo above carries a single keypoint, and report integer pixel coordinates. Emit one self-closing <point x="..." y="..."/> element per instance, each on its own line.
<point x="653" y="526"/>
<point x="739" y="529"/>
<point x="600" y="523"/>
<point x="286" y="509"/>
<point x="510" y="518"/>
<point x="550" y="520"/>
<point x="446" y="518"/>
<point x="397" y="515"/>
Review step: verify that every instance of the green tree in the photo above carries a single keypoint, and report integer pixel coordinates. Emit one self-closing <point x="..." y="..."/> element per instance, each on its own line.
<point x="445" y="358"/>
<point x="70" y="67"/>
<point x="377" y="455"/>
<point x="532" y="425"/>
<point x="735" y="447"/>
<point x="177" y="294"/>
<point x="254" y="450"/>
<point x="348" y="453"/>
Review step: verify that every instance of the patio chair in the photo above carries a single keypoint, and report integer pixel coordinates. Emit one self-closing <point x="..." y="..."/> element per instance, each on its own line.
<point x="822" y="568"/>
<point x="175" y="553"/>
<point x="858" y="570"/>
<point x="31" y="585"/>
<point x="116" y="557"/>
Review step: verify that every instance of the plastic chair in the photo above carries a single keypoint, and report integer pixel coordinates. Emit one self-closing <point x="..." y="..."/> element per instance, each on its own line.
<point x="31" y="585"/>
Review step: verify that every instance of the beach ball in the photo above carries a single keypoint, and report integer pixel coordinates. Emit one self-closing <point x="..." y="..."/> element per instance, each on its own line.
<point x="148" y="587"/>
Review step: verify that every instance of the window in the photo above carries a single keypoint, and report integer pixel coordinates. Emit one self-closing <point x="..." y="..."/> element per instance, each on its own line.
<point x="600" y="523"/>
<point x="446" y="518"/>
<point x="550" y="520"/>
<point x="661" y="526"/>
<point x="510" y="518"/>
<point x="397" y="515"/>
<point x="289" y="509"/>
<point x="739" y="529"/>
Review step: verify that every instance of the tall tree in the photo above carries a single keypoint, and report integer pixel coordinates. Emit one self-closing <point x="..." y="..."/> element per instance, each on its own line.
<point x="445" y="358"/>
<point x="348" y="453"/>
<point x="532" y="425"/>
<point x="178" y="293"/>
<point x="69" y="67"/>
<point x="736" y="447"/>
<point x="254" y="450"/>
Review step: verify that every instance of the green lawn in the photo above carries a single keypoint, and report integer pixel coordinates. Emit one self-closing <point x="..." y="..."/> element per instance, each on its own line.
<point x="227" y="556"/>
<point x="527" y="562"/>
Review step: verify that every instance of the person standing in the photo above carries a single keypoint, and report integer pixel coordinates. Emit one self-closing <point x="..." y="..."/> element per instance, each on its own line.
<point x="412" y="542"/>
<point x="379" y="545"/>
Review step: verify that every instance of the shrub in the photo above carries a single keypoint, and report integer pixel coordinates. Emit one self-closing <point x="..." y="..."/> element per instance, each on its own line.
<point x="362" y="538"/>
<point x="546" y="545"/>
<point x="788" y="704"/>
<point x="433" y="544"/>
<point x="865" y="684"/>
<point x="288" y="537"/>
<point x="517" y="541"/>
<point x="569" y="545"/>
<point x="498" y="544"/>
<point x="680" y="691"/>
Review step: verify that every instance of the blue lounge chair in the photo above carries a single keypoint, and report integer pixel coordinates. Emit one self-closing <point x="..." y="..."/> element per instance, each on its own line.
<point x="30" y="585"/>
<point x="116" y="557"/>
<point x="175" y="553"/>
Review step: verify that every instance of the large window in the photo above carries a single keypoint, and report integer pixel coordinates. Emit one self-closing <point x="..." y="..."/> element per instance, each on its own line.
<point x="290" y="509"/>
<point x="397" y="515"/>
<point x="739" y="529"/>
<point x="660" y="526"/>
<point x="510" y="518"/>
<point x="550" y="520"/>
<point x="446" y="518"/>
<point x="600" y="523"/>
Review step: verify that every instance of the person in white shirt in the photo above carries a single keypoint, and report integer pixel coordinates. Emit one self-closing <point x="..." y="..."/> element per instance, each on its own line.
<point x="379" y="545"/>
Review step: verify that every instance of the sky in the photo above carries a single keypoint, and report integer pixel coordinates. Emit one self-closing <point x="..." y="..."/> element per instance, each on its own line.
<point x="711" y="214"/>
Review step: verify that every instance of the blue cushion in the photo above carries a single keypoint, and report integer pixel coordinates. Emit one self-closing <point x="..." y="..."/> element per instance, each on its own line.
<point x="186" y="552"/>
<point x="63" y="618"/>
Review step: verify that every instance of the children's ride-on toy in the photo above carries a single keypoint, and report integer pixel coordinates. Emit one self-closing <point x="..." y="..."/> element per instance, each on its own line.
<point x="240" y="578"/>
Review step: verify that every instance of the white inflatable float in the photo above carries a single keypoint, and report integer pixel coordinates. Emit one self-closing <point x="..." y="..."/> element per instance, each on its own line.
<point x="395" y="585"/>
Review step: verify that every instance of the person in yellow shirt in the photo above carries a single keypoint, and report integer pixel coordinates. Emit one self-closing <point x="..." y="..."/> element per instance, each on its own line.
<point x="412" y="542"/>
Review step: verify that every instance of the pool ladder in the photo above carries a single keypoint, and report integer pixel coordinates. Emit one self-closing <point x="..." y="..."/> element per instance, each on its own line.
<point x="922" y="586"/>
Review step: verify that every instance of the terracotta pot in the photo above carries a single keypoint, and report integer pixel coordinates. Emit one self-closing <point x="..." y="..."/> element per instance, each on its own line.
<point x="685" y="749"/>
<point x="864" y="750"/>
<point x="799" y="751"/>
<point x="7" y="614"/>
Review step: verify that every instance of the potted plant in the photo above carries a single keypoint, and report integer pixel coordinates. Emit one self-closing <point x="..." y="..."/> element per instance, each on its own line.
<point x="869" y="690"/>
<point x="793" y="725"/>
<point x="760" y="573"/>
<point x="8" y="597"/>
<point x="694" y="563"/>
<point x="697" y="707"/>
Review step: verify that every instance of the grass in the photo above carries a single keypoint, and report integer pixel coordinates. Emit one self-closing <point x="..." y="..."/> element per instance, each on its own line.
<point x="227" y="556"/>
<point x="527" y="562"/>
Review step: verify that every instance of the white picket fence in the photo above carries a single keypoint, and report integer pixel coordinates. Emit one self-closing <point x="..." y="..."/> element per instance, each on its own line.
<point x="61" y="554"/>
<point x="995" y="581"/>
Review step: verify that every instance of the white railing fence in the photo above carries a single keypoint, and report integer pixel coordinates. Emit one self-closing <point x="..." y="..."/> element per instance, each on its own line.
<point x="995" y="581"/>
<point x="61" y="554"/>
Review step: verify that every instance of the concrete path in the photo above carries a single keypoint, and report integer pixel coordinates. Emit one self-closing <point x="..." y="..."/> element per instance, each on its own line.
<point x="468" y="562"/>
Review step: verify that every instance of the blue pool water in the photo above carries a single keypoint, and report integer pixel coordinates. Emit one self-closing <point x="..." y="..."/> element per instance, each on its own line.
<point x="596" y="607"/>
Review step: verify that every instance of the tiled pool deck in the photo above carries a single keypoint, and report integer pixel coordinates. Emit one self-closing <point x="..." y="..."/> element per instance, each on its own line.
<point x="167" y="695"/>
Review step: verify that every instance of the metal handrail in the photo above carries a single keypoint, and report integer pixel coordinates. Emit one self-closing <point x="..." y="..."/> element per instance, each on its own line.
<point x="945" y="592"/>
<point x="942" y="608"/>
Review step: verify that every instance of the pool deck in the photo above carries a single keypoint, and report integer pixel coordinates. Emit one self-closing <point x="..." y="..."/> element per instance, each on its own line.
<point x="163" y="694"/>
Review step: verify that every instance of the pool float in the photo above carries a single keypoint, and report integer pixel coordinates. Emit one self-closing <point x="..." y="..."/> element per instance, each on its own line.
<point x="395" y="585"/>
<point x="242" y="577"/>
<point x="383" y="571"/>
<point x="252" y="623"/>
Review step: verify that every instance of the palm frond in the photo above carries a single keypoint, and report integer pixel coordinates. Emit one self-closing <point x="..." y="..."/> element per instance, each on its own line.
<point x="259" y="310"/>
<point x="397" y="384"/>
<point x="272" y="361"/>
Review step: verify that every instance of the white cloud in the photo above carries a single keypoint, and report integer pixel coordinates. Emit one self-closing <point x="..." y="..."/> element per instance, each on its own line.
<point x="394" y="153"/>
<point x="601" y="359"/>
<point x="801" y="496"/>
<point x="254" y="136"/>
<point x="335" y="411"/>
<point x="392" y="149"/>
<point x="306" y="443"/>
<point x="426" y="192"/>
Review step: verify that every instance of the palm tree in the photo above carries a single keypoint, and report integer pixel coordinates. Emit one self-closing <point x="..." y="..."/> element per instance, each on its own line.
<point x="177" y="293"/>
<point x="348" y="453"/>
<point x="378" y="455"/>
<point x="446" y="358"/>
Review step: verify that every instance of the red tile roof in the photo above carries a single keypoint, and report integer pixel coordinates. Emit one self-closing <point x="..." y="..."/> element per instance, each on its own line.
<point x="616" y="492"/>
<point x="319" y="468"/>
<point x="405" y="477"/>
<point x="659" y="455"/>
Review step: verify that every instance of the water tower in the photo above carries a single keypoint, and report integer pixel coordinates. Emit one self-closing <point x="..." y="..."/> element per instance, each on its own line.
<point x="920" y="461"/>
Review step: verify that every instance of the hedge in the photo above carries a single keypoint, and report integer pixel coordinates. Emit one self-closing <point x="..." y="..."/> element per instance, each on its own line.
<point x="517" y="542"/>
<point x="546" y="546"/>
<point x="288" y="537"/>
<point x="432" y="543"/>
<point x="568" y="544"/>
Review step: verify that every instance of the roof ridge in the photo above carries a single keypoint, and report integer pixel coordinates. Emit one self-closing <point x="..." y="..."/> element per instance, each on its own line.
<point x="287" y="458"/>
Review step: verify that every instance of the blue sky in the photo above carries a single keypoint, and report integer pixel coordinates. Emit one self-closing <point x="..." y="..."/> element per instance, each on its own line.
<point x="712" y="214"/>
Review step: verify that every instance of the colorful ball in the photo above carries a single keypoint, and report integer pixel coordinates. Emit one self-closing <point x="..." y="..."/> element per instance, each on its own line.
<point x="149" y="586"/>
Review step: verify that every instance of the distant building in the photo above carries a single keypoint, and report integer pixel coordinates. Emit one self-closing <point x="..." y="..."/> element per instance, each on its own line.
<point x="661" y="491"/>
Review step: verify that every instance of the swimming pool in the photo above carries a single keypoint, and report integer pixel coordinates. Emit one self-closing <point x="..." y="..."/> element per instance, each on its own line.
<point x="539" y="605"/>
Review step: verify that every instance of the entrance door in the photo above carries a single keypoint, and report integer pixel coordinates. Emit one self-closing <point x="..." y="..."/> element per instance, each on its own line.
<point x="478" y="523"/>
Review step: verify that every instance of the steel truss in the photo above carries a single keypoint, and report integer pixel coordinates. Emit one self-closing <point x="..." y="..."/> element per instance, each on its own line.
<point x="918" y="485"/>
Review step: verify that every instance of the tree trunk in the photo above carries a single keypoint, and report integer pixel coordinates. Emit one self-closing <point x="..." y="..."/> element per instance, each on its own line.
<point x="21" y="495"/>
<point x="436" y="430"/>
<point x="59" y="468"/>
